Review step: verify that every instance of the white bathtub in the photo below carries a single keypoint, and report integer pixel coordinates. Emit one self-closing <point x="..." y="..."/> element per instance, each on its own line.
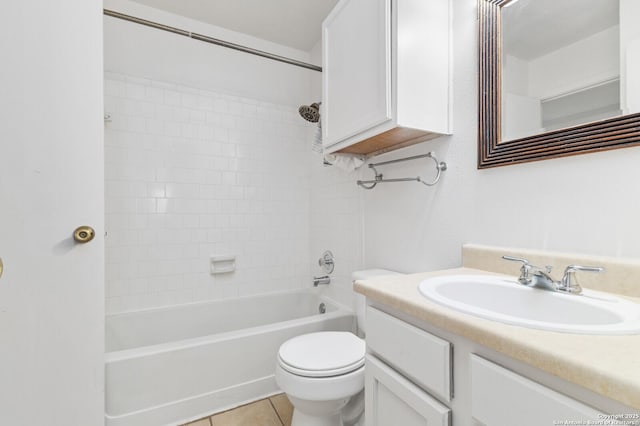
<point x="170" y="365"/>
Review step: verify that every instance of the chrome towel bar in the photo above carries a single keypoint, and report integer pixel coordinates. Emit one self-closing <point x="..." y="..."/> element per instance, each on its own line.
<point x="370" y="184"/>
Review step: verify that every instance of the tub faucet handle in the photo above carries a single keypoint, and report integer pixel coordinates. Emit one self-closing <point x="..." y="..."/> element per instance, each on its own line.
<point x="327" y="262"/>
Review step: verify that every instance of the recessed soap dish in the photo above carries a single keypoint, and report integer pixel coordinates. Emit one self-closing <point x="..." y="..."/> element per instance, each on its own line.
<point x="222" y="264"/>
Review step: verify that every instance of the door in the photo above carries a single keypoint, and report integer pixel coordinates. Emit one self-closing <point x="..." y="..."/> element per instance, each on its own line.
<point x="51" y="181"/>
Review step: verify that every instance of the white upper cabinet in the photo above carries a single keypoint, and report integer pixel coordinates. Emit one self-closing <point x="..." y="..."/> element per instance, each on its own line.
<point x="386" y="74"/>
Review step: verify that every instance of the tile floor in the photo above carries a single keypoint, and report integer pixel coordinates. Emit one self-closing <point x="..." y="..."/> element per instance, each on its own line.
<point x="274" y="411"/>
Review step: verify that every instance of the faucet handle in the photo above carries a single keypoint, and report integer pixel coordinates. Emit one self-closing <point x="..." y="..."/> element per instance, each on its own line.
<point x="516" y="259"/>
<point x="569" y="282"/>
<point x="524" y="277"/>
<point x="573" y="268"/>
<point x="527" y="269"/>
<point x="327" y="262"/>
<point x="525" y="262"/>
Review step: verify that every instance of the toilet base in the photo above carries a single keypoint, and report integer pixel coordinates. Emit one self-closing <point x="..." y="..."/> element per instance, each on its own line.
<point x="317" y="413"/>
<point x="302" y="419"/>
<point x="327" y="413"/>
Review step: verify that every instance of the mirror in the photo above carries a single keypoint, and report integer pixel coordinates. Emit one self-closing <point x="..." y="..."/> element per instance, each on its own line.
<point x="557" y="78"/>
<point x="559" y="68"/>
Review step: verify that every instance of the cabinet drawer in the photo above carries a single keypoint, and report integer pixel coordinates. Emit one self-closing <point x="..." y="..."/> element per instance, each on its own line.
<point x="422" y="357"/>
<point x="390" y="399"/>
<point x="500" y="397"/>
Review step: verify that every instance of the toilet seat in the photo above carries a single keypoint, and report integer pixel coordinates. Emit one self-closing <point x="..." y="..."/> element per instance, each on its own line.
<point x="322" y="354"/>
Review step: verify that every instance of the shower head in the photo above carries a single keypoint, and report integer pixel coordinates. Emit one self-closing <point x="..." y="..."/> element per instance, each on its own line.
<point x="310" y="112"/>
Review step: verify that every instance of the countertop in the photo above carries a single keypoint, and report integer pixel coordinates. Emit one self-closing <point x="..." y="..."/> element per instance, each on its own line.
<point x="607" y="365"/>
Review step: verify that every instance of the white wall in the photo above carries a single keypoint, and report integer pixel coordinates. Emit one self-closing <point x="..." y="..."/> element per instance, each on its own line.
<point x="521" y="116"/>
<point x="515" y="78"/>
<point x="631" y="79"/>
<point x="629" y="56"/>
<point x="580" y="203"/>
<point x="570" y="68"/>
<point x="585" y="204"/>
<point x="144" y="52"/>
<point x="521" y="113"/>
<point x="590" y="61"/>
<point x="206" y="155"/>
<point x="336" y="215"/>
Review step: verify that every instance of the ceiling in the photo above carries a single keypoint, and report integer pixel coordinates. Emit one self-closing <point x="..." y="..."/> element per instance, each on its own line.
<point x="293" y="23"/>
<point x="532" y="28"/>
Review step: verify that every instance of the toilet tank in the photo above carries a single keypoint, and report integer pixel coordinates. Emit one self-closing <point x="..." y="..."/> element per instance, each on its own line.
<point x="360" y="300"/>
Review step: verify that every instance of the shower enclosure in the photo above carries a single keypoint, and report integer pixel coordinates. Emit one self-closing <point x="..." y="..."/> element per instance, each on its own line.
<point x="206" y="158"/>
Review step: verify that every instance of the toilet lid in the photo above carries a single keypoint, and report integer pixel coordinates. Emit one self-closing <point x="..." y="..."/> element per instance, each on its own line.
<point x="324" y="354"/>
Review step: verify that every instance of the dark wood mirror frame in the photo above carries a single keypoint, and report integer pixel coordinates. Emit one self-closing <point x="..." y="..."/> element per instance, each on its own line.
<point x="618" y="132"/>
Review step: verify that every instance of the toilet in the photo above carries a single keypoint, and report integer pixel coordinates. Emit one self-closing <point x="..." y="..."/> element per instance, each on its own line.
<point x="323" y="373"/>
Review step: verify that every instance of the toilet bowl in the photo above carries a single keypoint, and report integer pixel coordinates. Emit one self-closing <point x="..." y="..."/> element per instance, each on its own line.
<point x="323" y="373"/>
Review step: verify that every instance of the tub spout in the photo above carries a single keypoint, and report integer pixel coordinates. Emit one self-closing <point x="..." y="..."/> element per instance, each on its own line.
<point x="324" y="280"/>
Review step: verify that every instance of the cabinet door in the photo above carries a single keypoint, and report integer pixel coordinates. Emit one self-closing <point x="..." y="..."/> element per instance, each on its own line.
<point x="390" y="399"/>
<point x="500" y="397"/>
<point x="422" y="357"/>
<point x="356" y="68"/>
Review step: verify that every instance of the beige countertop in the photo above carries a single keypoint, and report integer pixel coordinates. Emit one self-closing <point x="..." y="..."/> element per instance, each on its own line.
<point x="607" y="365"/>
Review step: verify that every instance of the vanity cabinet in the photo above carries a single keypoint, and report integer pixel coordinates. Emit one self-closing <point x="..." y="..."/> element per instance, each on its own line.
<point x="410" y="380"/>
<point x="502" y="397"/>
<point x="412" y="351"/>
<point x="386" y="74"/>
<point x="391" y="399"/>
<point x="406" y="368"/>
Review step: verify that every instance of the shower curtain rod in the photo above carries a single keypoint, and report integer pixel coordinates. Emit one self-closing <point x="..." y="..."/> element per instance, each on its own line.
<point x="211" y="40"/>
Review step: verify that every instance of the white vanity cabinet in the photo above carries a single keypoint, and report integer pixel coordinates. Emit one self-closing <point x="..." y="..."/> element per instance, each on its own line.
<point x="391" y="399"/>
<point x="406" y="367"/>
<point x="410" y="380"/>
<point x="386" y="74"/>
<point x="502" y="397"/>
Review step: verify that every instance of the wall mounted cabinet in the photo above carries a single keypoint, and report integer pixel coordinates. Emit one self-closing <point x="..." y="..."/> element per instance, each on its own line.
<point x="386" y="74"/>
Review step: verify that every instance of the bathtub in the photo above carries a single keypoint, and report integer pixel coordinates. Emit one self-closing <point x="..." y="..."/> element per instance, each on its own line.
<point x="170" y="365"/>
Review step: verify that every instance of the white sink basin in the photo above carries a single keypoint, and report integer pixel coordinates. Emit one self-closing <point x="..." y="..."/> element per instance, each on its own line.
<point x="503" y="299"/>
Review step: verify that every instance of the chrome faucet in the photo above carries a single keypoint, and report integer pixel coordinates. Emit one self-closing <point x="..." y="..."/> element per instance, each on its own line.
<point x="535" y="276"/>
<point x="324" y="280"/>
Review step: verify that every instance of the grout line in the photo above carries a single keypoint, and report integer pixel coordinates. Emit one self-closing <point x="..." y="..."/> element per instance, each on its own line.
<point x="208" y="418"/>
<point x="276" y="411"/>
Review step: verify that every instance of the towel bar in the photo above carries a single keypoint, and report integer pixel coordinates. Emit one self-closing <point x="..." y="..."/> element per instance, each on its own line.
<point x="370" y="184"/>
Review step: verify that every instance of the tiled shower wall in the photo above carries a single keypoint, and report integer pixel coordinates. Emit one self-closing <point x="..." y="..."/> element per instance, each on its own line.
<point x="336" y="225"/>
<point x="336" y="214"/>
<point x="192" y="174"/>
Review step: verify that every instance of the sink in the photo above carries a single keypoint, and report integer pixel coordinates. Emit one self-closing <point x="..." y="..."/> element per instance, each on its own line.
<point x="503" y="299"/>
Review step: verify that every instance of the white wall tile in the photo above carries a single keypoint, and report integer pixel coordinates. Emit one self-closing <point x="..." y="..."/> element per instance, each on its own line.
<point x="336" y="224"/>
<point x="180" y="188"/>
